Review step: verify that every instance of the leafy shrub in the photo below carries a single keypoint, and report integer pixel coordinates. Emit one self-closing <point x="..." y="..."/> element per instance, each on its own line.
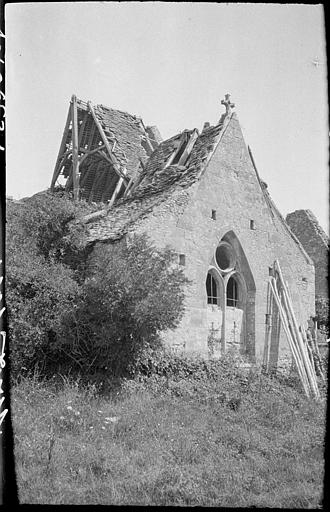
<point x="69" y="308"/>
<point x="37" y="299"/>
<point x="132" y="293"/>
<point x="40" y="286"/>
<point x="42" y="223"/>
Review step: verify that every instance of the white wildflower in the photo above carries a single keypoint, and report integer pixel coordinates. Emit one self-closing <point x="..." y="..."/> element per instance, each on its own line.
<point x="113" y="419"/>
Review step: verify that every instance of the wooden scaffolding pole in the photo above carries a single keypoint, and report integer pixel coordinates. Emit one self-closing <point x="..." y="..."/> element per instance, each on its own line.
<point x="75" y="156"/>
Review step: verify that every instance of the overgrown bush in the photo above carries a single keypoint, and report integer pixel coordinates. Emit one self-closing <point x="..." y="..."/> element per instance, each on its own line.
<point x="40" y="287"/>
<point x="133" y="292"/>
<point x="38" y="293"/>
<point x="90" y="313"/>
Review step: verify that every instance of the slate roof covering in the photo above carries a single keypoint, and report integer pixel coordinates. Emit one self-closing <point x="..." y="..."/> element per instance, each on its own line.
<point x="129" y="133"/>
<point x="157" y="182"/>
<point x="115" y="223"/>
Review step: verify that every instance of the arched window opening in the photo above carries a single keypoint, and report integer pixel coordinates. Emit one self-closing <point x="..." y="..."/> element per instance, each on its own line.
<point x="212" y="289"/>
<point x="232" y="292"/>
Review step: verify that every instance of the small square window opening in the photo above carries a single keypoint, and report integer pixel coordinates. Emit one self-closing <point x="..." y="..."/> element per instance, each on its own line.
<point x="252" y="224"/>
<point x="214" y="214"/>
<point x="182" y="259"/>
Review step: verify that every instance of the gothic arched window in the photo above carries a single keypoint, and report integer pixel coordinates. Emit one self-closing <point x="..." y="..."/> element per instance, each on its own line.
<point x="212" y="289"/>
<point x="232" y="292"/>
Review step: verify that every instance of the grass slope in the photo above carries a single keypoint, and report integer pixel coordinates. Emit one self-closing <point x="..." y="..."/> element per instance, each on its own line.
<point x="240" y="440"/>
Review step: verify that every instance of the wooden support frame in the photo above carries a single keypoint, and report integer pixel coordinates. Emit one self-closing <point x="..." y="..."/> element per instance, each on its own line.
<point x="83" y="128"/>
<point x="88" y="153"/>
<point x="75" y="148"/>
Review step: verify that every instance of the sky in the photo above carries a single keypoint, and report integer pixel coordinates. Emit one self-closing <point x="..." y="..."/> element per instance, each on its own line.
<point x="172" y="64"/>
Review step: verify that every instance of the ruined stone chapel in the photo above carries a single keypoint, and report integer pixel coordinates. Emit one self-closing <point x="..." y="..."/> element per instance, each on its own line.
<point x="199" y="193"/>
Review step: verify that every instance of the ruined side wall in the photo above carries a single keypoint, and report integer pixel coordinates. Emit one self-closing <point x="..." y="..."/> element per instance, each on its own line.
<point x="306" y="228"/>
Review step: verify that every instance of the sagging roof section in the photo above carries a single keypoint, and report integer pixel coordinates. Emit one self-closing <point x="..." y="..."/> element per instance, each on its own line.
<point x="101" y="150"/>
<point x="158" y="181"/>
<point x="160" y="172"/>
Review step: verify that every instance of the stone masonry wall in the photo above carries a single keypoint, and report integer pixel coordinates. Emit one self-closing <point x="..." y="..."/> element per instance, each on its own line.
<point x="315" y="242"/>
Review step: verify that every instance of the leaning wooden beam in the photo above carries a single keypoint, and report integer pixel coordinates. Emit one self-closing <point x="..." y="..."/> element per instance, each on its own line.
<point x="57" y="169"/>
<point x="298" y="337"/>
<point x="139" y="177"/>
<point x="296" y="356"/>
<point x="113" y="159"/>
<point x="88" y="153"/>
<point x="289" y="307"/>
<point x="103" y="153"/>
<point x="268" y="329"/>
<point x="188" y="147"/>
<point x="132" y="179"/>
<point x="75" y="156"/>
<point x="116" y="192"/>
<point x="64" y="157"/>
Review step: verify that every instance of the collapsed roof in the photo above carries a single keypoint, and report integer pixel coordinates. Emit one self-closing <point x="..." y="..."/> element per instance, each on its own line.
<point x="109" y="156"/>
<point x="101" y="150"/>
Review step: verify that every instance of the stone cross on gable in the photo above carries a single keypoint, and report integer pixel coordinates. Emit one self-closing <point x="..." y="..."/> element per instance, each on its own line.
<point x="227" y="103"/>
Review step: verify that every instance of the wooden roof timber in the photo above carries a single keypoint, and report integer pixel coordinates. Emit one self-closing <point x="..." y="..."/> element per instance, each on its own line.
<point x="75" y="149"/>
<point x="76" y="138"/>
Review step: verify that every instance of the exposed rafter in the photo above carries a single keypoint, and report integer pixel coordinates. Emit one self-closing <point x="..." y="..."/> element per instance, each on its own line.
<point x="99" y="152"/>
